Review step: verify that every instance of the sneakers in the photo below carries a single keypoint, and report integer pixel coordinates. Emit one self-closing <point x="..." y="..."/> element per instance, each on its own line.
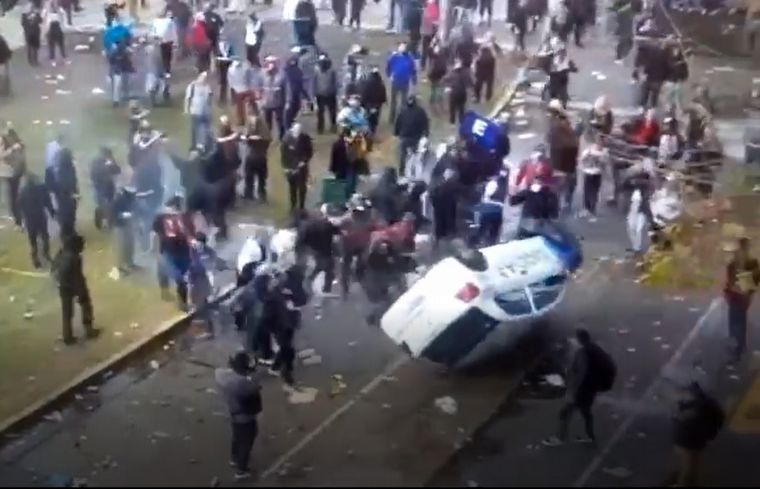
<point x="552" y="441"/>
<point x="93" y="333"/>
<point x="242" y="476"/>
<point x="584" y="440"/>
<point x="265" y="361"/>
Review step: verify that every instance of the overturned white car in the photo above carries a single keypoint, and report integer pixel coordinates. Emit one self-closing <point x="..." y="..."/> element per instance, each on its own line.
<point x="451" y="314"/>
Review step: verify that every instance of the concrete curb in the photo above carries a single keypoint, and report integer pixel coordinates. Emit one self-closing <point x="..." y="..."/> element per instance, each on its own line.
<point x="94" y="374"/>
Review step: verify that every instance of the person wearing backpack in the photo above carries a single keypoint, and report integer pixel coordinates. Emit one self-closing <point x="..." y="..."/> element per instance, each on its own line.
<point x="243" y="396"/>
<point x="67" y="269"/>
<point x="592" y="371"/>
<point x="697" y="421"/>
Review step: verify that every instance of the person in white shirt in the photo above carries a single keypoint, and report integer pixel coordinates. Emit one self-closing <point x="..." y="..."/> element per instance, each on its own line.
<point x="198" y="100"/>
<point x="254" y="35"/>
<point x="592" y="162"/>
<point x="164" y="29"/>
<point x="54" y="16"/>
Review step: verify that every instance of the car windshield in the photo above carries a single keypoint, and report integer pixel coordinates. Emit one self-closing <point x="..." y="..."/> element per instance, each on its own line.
<point x="472" y="259"/>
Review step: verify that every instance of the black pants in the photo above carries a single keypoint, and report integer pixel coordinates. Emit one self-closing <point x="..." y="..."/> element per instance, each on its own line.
<point x="347" y="267"/>
<point x="486" y="82"/>
<point x="33" y="51"/>
<point x="286" y="355"/>
<point x="444" y="224"/>
<point x="591" y="185"/>
<point x="252" y="53"/>
<point x="166" y="56"/>
<point x="67" y="310"/>
<point x="520" y="36"/>
<point x="13" y="188"/>
<point x="291" y="112"/>
<point x="55" y="38"/>
<point x="102" y="215"/>
<point x="224" y="89"/>
<point x="297" y="190"/>
<point x="373" y="118"/>
<point x="38" y="234"/>
<point x="243" y="437"/>
<point x="569" y="182"/>
<point x="67" y="214"/>
<point x="339" y="11"/>
<point x="427" y="39"/>
<point x="489" y="231"/>
<point x="329" y="103"/>
<point x="582" y="402"/>
<point x="356" y="14"/>
<point x="275" y="114"/>
<point x="414" y="41"/>
<point x="256" y="169"/>
<point x="623" y="47"/>
<point x="737" y="325"/>
<point x="650" y="93"/>
<point x="486" y="7"/>
<point x="457" y="103"/>
<point x="578" y="28"/>
<point x="325" y="263"/>
<point x="261" y="341"/>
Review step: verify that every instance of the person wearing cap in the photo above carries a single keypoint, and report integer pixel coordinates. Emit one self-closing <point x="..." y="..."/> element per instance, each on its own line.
<point x="34" y="205"/>
<point x="103" y="173"/>
<point x="243" y="397"/>
<point x="411" y="125"/>
<point x="123" y="222"/>
<point x="296" y="150"/>
<point x="325" y="89"/>
<point x="402" y="72"/>
<point x="564" y="145"/>
<point x="373" y="96"/>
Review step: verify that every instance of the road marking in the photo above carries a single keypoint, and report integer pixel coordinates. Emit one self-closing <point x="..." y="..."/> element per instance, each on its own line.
<point x="623" y="428"/>
<point x="24" y="273"/>
<point x="309" y="437"/>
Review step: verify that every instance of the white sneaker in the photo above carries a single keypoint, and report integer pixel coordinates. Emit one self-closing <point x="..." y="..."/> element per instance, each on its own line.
<point x="241" y="476"/>
<point x="552" y="441"/>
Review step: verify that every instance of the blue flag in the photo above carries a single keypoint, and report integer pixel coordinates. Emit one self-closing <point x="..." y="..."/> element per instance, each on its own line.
<point x="480" y="130"/>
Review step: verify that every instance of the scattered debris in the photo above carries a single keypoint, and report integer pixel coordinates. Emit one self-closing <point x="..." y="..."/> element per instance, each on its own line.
<point x="641" y="435"/>
<point x="391" y="378"/>
<point x="11" y="298"/>
<point x="31" y="378"/>
<point x="733" y="377"/>
<point x="155" y="366"/>
<point x="118" y="334"/>
<point x="93" y="389"/>
<point x="301" y="395"/>
<point x="447" y="405"/>
<point x="28" y="315"/>
<point x="386" y="406"/>
<point x="657" y="323"/>
<point x="665" y="346"/>
<point x="657" y="339"/>
<point x="160" y="435"/>
<point x="54" y="417"/>
<point x="315" y="360"/>
<point x="631" y="350"/>
<point x="114" y="274"/>
<point x="64" y="122"/>
<point x="337" y="386"/>
<point x="472" y="484"/>
<point x="526" y="135"/>
<point x="352" y="344"/>
<point x="623" y="331"/>
<point x="58" y="91"/>
<point x="554" y="380"/>
<point x="134" y="325"/>
<point x="617" y="472"/>
<point x="694" y="309"/>
<point x="306" y="353"/>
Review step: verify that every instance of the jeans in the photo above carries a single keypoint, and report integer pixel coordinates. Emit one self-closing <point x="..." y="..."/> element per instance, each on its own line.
<point x="173" y="268"/>
<point x="200" y="131"/>
<point x="396" y="92"/>
<point x="737" y="325"/>
<point x="119" y="87"/>
<point x="582" y="402"/>
<point x="567" y="190"/>
<point x="243" y="437"/>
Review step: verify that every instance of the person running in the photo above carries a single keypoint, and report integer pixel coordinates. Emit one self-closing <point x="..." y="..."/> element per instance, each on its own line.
<point x="173" y="230"/>
<point x="742" y="279"/>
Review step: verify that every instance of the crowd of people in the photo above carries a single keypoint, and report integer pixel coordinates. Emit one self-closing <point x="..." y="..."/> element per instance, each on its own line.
<point x="457" y="191"/>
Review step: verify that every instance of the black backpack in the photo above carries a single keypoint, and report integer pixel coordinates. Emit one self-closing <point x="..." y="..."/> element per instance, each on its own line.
<point x="602" y="368"/>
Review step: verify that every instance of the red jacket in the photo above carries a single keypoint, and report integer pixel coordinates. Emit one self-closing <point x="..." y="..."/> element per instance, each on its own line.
<point x="399" y="235"/>
<point x="197" y="37"/>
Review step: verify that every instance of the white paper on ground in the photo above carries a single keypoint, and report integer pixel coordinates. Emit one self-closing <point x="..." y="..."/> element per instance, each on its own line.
<point x="527" y="135"/>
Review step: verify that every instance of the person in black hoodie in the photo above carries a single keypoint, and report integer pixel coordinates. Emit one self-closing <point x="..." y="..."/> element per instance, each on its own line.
<point x="383" y="269"/>
<point x="485" y="72"/>
<point x="653" y="73"/>
<point x="214" y="24"/>
<point x="31" y="23"/>
<point x="540" y="204"/>
<point x="296" y="151"/>
<point x="103" y="173"/>
<point x="412" y="124"/>
<point x="445" y="198"/>
<point x="413" y="21"/>
<point x="258" y="138"/>
<point x="373" y="97"/>
<point x="305" y="23"/>
<point x="325" y="89"/>
<point x="437" y="67"/>
<point x="66" y="191"/>
<point x="315" y="236"/>
<point x="34" y="203"/>
<point x="295" y="91"/>
<point x="458" y="83"/>
<point x="68" y="271"/>
<point x="385" y="197"/>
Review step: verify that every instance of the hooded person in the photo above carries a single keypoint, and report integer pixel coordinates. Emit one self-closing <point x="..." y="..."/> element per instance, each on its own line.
<point x="66" y="191"/>
<point x="325" y="89"/>
<point x="305" y="23"/>
<point x="445" y="198"/>
<point x="353" y="117"/>
<point x="68" y="271"/>
<point x="295" y="88"/>
<point x="257" y="137"/>
<point x="383" y="269"/>
<point x="485" y="72"/>
<point x="458" y="83"/>
<point x="373" y="96"/>
<point x="34" y="205"/>
<point x="296" y="152"/>
<point x="273" y="96"/>
<point x="173" y="230"/>
<point x="385" y="197"/>
<point x="243" y="397"/>
<point x="411" y="125"/>
<point x="103" y="173"/>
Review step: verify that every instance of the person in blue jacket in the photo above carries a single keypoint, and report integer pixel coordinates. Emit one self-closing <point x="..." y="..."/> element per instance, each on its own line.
<point x="403" y="74"/>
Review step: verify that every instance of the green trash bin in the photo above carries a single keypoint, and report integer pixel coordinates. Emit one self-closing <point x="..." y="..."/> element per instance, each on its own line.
<point x="333" y="191"/>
